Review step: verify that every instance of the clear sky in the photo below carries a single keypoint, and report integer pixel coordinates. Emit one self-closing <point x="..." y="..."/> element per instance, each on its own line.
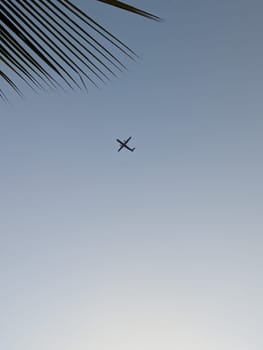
<point x="156" y="249"/>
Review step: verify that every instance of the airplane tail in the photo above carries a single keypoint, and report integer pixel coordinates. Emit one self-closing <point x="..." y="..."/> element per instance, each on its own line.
<point x="133" y="149"/>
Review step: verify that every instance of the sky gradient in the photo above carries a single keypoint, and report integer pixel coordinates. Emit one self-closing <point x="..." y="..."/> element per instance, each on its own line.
<point x="156" y="249"/>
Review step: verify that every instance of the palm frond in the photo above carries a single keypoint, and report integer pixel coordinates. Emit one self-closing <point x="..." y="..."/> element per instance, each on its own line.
<point x="132" y="9"/>
<point x="52" y="43"/>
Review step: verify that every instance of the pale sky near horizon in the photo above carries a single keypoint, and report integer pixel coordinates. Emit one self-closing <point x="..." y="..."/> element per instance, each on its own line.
<point x="156" y="249"/>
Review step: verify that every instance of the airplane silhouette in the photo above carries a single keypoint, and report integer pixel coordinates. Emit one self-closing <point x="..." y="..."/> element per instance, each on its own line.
<point x="124" y="145"/>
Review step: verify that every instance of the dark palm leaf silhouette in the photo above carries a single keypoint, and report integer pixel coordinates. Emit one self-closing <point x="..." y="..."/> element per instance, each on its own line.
<point x="52" y="43"/>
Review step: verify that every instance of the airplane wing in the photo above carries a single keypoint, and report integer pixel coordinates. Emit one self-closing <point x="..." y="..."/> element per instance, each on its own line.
<point x="121" y="147"/>
<point x="128" y="139"/>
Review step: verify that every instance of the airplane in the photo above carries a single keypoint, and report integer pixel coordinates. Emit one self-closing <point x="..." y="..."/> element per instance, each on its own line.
<point x="123" y="144"/>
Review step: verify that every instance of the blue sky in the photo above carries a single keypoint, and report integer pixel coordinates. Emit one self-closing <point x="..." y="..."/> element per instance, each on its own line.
<point x="159" y="248"/>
